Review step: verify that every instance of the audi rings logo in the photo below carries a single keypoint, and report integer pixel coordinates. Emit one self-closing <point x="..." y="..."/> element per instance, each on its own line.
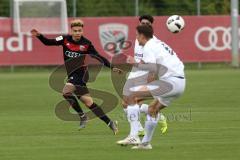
<point x="218" y="38"/>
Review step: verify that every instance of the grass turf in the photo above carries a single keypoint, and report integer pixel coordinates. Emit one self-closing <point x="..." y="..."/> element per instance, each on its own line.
<point x="204" y="124"/>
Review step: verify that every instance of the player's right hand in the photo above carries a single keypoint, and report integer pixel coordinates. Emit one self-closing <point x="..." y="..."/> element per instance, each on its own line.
<point x="119" y="71"/>
<point x="34" y="32"/>
<point x="130" y="60"/>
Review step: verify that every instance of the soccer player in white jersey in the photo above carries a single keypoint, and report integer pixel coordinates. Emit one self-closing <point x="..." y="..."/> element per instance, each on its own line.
<point x="160" y="59"/>
<point x="135" y="78"/>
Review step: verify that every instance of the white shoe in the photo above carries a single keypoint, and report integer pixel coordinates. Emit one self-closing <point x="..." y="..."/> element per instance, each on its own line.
<point x="143" y="146"/>
<point x="130" y="140"/>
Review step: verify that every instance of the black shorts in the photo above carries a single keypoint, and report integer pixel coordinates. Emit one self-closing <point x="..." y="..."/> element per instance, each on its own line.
<point x="79" y="80"/>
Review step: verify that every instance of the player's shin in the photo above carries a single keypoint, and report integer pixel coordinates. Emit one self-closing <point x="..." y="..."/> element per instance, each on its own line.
<point x="162" y="119"/>
<point x="133" y="118"/>
<point x="150" y="125"/>
<point x="74" y="103"/>
<point x="99" y="113"/>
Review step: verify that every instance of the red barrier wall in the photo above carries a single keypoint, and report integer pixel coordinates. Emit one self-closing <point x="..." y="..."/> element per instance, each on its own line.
<point x="204" y="39"/>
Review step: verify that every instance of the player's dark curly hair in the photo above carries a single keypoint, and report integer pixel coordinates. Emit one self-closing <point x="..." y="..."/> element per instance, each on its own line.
<point x="146" y="30"/>
<point x="148" y="17"/>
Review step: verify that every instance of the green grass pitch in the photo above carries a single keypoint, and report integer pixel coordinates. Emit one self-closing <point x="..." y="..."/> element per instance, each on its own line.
<point x="204" y="124"/>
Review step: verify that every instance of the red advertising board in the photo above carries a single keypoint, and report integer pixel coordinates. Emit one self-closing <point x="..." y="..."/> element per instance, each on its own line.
<point x="204" y="39"/>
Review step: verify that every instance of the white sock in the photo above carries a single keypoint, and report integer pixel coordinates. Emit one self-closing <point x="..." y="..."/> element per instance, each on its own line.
<point x="144" y="108"/>
<point x="150" y="125"/>
<point x="140" y="127"/>
<point x="133" y="118"/>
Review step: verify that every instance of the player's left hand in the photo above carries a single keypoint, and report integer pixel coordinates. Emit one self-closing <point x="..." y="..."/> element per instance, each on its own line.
<point x="119" y="71"/>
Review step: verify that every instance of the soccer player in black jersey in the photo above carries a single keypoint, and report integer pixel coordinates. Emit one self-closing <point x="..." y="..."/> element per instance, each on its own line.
<point x="75" y="48"/>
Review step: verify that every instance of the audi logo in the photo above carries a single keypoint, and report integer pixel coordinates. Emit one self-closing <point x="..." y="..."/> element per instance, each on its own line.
<point x="218" y="38"/>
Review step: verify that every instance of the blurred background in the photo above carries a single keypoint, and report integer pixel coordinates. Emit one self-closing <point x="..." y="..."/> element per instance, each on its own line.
<point x="197" y="44"/>
<point x="100" y="8"/>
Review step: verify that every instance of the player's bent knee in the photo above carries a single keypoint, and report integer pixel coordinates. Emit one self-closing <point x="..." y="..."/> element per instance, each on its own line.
<point x="67" y="94"/>
<point x="88" y="104"/>
<point x="131" y="100"/>
<point x="153" y="111"/>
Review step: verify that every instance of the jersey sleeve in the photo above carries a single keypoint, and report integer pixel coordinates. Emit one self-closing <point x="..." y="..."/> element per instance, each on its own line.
<point x="93" y="53"/>
<point x="51" y="42"/>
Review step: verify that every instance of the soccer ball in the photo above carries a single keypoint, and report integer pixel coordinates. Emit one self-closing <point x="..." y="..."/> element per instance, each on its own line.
<point x="175" y="24"/>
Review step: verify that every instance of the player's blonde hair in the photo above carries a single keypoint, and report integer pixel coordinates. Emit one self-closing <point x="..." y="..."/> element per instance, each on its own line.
<point x="76" y="23"/>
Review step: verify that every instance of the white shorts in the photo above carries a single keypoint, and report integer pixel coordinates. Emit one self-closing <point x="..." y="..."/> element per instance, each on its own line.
<point x="164" y="90"/>
<point x="134" y="84"/>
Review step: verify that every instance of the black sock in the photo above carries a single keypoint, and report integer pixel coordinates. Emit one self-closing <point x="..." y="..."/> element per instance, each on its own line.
<point x="99" y="112"/>
<point x="74" y="103"/>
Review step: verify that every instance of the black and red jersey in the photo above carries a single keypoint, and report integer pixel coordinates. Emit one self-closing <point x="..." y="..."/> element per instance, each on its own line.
<point x="74" y="52"/>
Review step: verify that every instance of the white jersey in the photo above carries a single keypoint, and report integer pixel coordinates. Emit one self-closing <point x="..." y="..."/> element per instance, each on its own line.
<point x="158" y="52"/>
<point x="138" y="55"/>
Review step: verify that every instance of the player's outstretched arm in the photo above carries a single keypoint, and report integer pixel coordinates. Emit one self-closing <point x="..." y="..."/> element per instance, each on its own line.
<point x="103" y="60"/>
<point x="47" y="41"/>
<point x="108" y="64"/>
<point x="152" y="67"/>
